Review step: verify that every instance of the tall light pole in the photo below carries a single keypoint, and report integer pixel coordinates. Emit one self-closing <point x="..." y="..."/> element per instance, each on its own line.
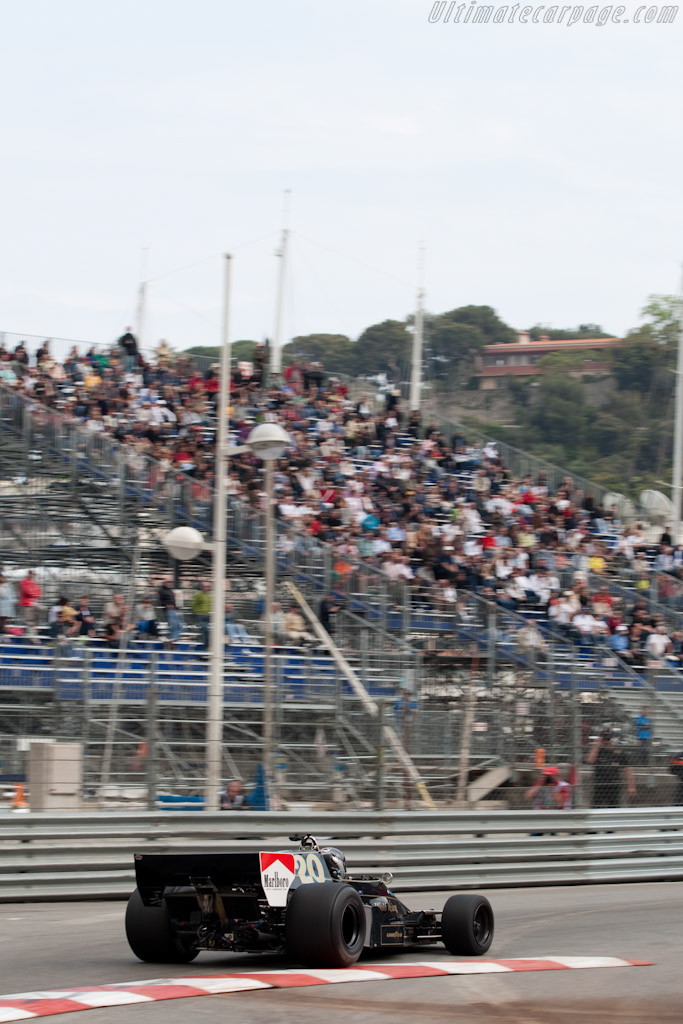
<point x="268" y="442"/>
<point x="416" y="371"/>
<point x="185" y="543"/>
<point x="276" y="348"/>
<point x="214" y="729"/>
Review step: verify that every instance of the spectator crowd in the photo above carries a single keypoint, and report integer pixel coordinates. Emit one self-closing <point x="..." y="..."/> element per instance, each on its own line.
<point x="382" y="489"/>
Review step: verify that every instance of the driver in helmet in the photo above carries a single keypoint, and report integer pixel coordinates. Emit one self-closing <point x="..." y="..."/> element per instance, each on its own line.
<point x="335" y="860"/>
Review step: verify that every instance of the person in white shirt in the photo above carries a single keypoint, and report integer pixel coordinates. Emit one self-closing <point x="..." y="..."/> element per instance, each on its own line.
<point x="160" y="413"/>
<point x="446" y="593"/>
<point x="560" y="613"/>
<point x="520" y="559"/>
<point x="450" y="532"/>
<point x="540" y="583"/>
<point x="514" y="595"/>
<point x="144" y="412"/>
<point x="405" y="568"/>
<point x="289" y="509"/>
<point x="530" y="638"/>
<point x="584" y="626"/>
<point x="380" y="544"/>
<point x="95" y="424"/>
<point x="625" y="546"/>
<point x="657" y="642"/>
<point x="471" y="548"/>
<point x="524" y="582"/>
<point x="306" y="479"/>
<point x="391" y="565"/>
<point x="472" y="519"/>
<point x="503" y="566"/>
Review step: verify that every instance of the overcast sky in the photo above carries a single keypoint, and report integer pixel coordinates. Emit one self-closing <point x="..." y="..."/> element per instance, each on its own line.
<point x="540" y="165"/>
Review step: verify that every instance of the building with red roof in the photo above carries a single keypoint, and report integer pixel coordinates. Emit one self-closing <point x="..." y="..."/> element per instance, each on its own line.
<point x="520" y="359"/>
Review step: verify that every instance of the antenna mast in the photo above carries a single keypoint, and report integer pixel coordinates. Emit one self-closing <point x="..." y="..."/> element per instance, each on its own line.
<point x="678" y="430"/>
<point x="416" y="375"/>
<point x="281" y="254"/>
<point x="141" y="308"/>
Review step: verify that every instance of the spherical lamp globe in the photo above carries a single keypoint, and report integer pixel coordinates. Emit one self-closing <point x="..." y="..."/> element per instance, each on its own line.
<point x="184" y="543"/>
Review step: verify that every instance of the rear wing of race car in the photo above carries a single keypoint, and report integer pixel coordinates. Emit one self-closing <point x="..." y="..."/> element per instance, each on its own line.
<point x="268" y="875"/>
<point x="157" y="872"/>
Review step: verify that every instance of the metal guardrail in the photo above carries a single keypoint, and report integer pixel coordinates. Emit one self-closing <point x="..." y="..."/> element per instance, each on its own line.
<point x="48" y="857"/>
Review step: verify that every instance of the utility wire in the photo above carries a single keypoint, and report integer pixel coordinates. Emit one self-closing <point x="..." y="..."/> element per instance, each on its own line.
<point x="353" y="259"/>
<point x="212" y="256"/>
<point x="189" y="309"/>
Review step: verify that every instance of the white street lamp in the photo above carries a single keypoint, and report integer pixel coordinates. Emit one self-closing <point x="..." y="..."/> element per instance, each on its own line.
<point x="268" y="442"/>
<point x="184" y="543"/>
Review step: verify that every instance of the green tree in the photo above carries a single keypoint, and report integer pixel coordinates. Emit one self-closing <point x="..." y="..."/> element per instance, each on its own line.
<point x="518" y="388"/>
<point x="239" y="350"/>
<point x="640" y="363"/>
<point x="384" y="348"/>
<point x="451" y="347"/>
<point x="484" y="319"/>
<point x="561" y="415"/>
<point x="334" y="351"/>
<point x="562" y="361"/>
<point x="452" y="340"/>
<point x="567" y="333"/>
<point x="662" y="317"/>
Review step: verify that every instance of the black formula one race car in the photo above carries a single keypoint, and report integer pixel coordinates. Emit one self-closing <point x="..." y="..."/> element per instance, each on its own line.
<point x="298" y="902"/>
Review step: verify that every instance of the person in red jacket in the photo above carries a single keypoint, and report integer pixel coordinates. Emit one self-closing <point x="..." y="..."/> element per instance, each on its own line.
<point x="30" y="593"/>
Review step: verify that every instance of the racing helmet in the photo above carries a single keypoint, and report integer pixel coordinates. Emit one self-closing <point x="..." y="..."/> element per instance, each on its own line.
<point x="335" y="860"/>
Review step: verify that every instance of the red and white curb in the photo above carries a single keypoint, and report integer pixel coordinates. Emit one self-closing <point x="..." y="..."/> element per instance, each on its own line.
<point x="25" y="1005"/>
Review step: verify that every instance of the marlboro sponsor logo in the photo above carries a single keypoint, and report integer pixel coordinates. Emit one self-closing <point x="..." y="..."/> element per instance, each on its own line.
<point x="274" y="881"/>
<point x="277" y="874"/>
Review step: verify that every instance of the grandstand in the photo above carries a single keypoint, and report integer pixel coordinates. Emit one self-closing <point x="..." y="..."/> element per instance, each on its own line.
<point x="89" y="513"/>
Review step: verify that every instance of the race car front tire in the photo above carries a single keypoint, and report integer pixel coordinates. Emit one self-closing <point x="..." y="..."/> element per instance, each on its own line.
<point x="467" y="925"/>
<point x="325" y="925"/>
<point x="151" y="934"/>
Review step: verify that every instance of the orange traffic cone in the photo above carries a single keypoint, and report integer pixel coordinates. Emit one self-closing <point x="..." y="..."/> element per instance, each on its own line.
<point x="18" y="802"/>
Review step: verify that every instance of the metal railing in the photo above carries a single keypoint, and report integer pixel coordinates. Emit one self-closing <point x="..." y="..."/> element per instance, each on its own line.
<point x="47" y="857"/>
<point x="522" y="464"/>
<point x="60" y="348"/>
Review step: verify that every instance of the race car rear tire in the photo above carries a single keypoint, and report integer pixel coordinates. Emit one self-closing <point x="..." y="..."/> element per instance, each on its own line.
<point x="467" y="925"/>
<point x="151" y="934"/>
<point x="325" y="925"/>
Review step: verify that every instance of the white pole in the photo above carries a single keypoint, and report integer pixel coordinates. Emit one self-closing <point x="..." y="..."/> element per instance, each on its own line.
<point x="678" y="431"/>
<point x="416" y="375"/>
<point x="269" y="776"/>
<point x="276" y="348"/>
<point x="214" y="726"/>
<point x="142" y="302"/>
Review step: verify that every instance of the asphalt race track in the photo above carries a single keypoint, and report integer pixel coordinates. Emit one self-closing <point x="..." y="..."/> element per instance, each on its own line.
<point x="68" y="945"/>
